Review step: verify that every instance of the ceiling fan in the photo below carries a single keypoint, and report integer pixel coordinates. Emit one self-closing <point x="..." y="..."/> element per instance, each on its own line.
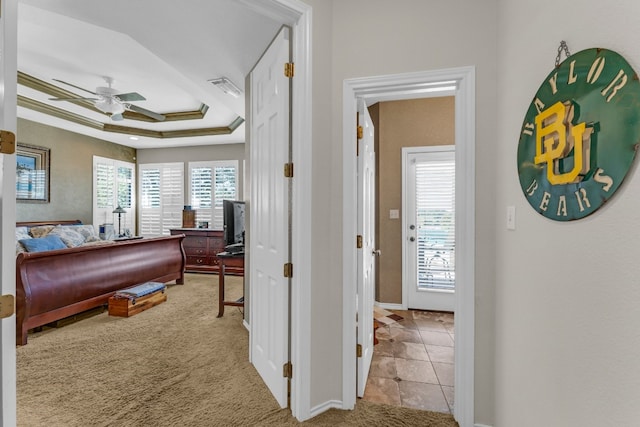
<point x="112" y="103"/>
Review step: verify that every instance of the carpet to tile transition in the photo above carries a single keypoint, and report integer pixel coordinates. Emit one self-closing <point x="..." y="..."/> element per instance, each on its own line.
<point x="175" y="364"/>
<point x="385" y="317"/>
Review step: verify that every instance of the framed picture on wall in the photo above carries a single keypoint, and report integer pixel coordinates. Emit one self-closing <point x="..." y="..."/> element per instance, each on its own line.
<point x="32" y="173"/>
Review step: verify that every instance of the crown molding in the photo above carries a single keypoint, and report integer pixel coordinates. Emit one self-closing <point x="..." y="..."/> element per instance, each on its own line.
<point x="57" y="92"/>
<point x="41" y="107"/>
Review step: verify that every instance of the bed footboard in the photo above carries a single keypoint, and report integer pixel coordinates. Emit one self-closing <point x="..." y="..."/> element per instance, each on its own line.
<point x="56" y="284"/>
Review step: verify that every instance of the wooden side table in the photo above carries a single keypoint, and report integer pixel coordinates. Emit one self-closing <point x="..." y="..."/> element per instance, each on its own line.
<point x="228" y="259"/>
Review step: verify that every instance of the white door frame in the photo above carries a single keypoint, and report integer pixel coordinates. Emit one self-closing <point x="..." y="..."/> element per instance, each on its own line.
<point x="404" y="86"/>
<point x="8" y="121"/>
<point x="297" y="15"/>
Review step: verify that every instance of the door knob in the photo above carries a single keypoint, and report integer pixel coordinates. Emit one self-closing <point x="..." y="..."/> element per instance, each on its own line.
<point x="412" y="227"/>
<point x="412" y="239"/>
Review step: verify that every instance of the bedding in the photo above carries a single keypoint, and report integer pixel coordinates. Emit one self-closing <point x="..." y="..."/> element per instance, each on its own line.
<point x="46" y="243"/>
<point x="72" y="236"/>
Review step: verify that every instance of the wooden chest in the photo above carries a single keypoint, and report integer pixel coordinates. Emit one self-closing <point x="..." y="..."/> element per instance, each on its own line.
<point x="127" y="307"/>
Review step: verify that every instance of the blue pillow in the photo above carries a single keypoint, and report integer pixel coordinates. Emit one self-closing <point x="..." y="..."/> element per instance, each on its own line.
<point x="47" y="243"/>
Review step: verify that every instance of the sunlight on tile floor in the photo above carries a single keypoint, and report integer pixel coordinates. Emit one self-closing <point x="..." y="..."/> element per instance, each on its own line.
<point x="412" y="363"/>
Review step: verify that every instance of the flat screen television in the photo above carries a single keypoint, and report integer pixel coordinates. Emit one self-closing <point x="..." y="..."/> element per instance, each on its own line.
<point x="233" y="220"/>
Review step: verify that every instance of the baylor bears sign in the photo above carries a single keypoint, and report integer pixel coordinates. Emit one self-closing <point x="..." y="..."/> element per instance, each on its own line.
<point x="580" y="135"/>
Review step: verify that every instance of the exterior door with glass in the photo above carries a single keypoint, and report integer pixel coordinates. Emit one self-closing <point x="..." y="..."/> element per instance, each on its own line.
<point x="429" y="227"/>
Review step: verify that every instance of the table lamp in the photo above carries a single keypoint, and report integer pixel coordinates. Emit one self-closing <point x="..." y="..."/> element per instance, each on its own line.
<point x="119" y="211"/>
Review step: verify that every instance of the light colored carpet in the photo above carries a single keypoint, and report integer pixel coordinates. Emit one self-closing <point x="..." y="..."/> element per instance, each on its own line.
<point x="175" y="364"/>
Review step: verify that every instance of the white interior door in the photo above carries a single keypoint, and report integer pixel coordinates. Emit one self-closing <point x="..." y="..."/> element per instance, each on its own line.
<point x="367" y="252"/>
<point x="8" y="121"/>
<point x="429" y="223"/>
<point x="269" y="216"/>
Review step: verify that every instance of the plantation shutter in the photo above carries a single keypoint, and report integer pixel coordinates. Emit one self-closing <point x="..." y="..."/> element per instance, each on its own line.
<point x="125" y="184"/>
<point x="210" y="183"/>
<point x="161" y="197"/>
<point x="113" y="185"/>
<point x="435" y="208"/>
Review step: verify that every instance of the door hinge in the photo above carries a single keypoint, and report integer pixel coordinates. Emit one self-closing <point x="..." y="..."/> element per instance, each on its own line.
<point x="7" y="142"/>
<point x="288" y="170"/>
<point x="358" y="350"/>
<point x="287" y="370"/>
<point x="289" y="69"/>
<point x="359" y="241"/>
<point x="360" y="132"/>
<point x="7" y="306"/>
<point x="288" y="270"/>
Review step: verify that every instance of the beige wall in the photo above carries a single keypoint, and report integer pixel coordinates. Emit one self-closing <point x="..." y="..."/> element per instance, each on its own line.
<point x="72" y="167"/>
<point x="71" y="171"/>
<point x="567" y="293"/>
<point x="361" y="38"/>
<point x="410" y="123"/>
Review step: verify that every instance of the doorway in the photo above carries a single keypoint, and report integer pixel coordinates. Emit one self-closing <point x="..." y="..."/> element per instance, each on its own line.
<point x="407" y="86"/>
<point x="297" y="15"/>
<point x="414" y="356"/>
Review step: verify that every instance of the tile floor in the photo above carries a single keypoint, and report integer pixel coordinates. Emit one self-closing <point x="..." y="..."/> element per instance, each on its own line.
<point x="412" y="364"/>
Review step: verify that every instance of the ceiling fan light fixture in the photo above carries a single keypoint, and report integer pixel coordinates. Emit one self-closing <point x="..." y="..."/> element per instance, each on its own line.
<point x="227" y="86"/>
<point x="109" y="106"/>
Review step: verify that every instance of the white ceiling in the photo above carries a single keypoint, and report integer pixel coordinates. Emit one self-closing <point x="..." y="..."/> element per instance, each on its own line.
<point x="164" y="50"/>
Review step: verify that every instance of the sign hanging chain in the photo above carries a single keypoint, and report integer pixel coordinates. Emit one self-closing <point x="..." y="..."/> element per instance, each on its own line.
<point x="563" y="46"/>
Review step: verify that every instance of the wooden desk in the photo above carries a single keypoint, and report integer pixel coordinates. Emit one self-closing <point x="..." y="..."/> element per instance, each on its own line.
<point x="236" y="261"/>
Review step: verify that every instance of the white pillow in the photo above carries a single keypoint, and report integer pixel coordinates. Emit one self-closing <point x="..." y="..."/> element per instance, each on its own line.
<point x="21" y="233"/>
<point x="68" y="235"/>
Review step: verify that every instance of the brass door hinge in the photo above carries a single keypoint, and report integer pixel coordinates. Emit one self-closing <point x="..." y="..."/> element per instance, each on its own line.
<point x="7" y="305"/>
<point x="288" y="270"/>
<point x="359" y="241"/>
<point x="287" y="370"/>
<point x="360" y="132"/>
<point x="288" y="170"/>
<point x="289" y="69"/>
<point x="358" y="350"/>
<point x="7" y="142"/>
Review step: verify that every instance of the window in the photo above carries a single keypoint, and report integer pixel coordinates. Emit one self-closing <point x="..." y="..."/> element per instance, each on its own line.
<point x="209" y="184"/>
<point x="113" y="186"/>
<point x="435" y="216"/>
<point x="161" y="197"/>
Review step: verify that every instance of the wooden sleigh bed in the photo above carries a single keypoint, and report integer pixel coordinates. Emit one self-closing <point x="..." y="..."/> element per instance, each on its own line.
<point x="56" y="284"/>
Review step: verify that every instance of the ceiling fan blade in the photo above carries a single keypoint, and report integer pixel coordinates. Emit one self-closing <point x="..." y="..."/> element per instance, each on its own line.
<point x="117" y="117"/>
<point x="148" y="113"/>
<point x="131" y="96"/>
<point x="77" y="87"/>
<point x="73" y="99"/>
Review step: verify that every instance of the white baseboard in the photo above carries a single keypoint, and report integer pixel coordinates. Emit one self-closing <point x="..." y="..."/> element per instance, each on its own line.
<point x="246" y="325"/>
<point x="389" y="306"/>
<point x="319" y="409"/>
<point x="480" y="425"/>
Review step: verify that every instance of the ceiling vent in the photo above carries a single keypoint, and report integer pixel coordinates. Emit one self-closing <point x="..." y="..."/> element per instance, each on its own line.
<point x="227" y="86"/>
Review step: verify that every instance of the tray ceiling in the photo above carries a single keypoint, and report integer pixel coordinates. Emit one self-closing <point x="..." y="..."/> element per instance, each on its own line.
<point x="163" y="52"/>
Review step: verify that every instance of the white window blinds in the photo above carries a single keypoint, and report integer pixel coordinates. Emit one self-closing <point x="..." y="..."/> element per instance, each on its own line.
<point x="435" y="212"/>
<point x="209" y="184"/>
<point x="161" y="197"/>
<point x="113" y="185"/>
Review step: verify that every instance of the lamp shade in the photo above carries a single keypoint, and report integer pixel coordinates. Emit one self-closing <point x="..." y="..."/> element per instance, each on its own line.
<point x="119" y="210"/>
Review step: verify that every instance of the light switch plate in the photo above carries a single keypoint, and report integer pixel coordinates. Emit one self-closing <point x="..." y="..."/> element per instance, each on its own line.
<point x="511" y="217"/>
<point x="394" y="214"/>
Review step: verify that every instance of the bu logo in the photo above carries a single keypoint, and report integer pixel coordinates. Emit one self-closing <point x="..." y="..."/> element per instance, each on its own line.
<point x="565" y="147"/>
